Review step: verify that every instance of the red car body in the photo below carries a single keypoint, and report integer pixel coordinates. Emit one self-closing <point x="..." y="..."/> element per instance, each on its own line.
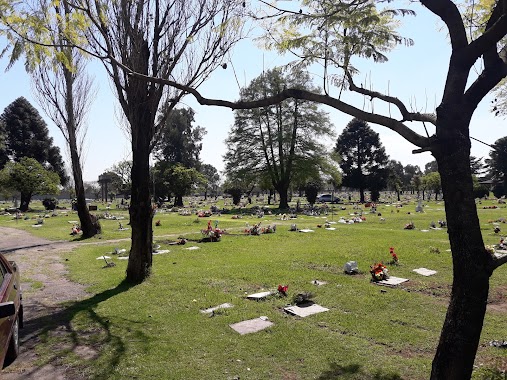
<point x="11" y="311"/>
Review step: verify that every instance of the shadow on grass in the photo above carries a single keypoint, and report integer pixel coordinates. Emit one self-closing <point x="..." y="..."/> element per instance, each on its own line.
<point x="354" y="371"/>
<point x="53" y="326"/>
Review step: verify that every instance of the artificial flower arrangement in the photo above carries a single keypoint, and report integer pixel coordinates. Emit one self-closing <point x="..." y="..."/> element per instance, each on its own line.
<point x="256" y="229"/>
<point x="379" y="272"/>
<point x="282" y="290"/>
<point x="395" y="260"/>
<point x="212" y="234"/>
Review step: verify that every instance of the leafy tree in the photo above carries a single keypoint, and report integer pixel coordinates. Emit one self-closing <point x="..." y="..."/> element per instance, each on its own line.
<point x="432" y="182"/>
<point x="497" y="163"/>
<point x="431" y="167"/>
<point x="477" y="166"/>
<point x="175" y="179"/>
<point x="364" y="159"/>
<point x="410" y="171"/>
<point x="312" y="189"/>
<point x="179" y="140"/>
<point x="121" y="177"/>
<point x="30" y="178"/>
<point x="480" y="191"/>
<point x="281" y="140"/>
<point x="64" y="91"/>
<point x="212" y="179"/>
<point x="27" y="136"/>
<point x="395" y="176"/>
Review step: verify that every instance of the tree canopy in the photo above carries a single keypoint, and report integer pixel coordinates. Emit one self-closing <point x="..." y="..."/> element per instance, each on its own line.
<point x="283" y="141"/>
<point x="27" y="135"/>
<point x="363" y="158"/>
<point x="30" y="178"/>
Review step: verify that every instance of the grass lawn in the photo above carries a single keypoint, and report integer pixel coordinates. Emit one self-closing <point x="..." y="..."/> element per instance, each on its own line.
<point x="156" y="330"/>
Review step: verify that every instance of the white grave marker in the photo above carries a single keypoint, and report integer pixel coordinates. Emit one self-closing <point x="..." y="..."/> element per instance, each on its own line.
<point x="425" y="272"/>
<point x="305" y="311"/>
<point x="392" y="281"/>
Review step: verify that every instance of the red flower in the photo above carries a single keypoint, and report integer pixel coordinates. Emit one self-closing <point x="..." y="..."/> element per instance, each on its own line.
<point x="283" y="289"/>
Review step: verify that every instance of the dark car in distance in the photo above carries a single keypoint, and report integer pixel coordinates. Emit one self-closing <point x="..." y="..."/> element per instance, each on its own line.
<point x="11" y="311"/>
<point x="325" y="198"/>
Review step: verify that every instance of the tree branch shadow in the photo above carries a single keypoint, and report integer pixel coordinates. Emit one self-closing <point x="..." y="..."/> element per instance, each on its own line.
<point x="53" y="326"/>
<point x="355" y="371"/>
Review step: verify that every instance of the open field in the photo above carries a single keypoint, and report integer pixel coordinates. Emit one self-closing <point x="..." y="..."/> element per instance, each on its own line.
<point x="156" y="330"/>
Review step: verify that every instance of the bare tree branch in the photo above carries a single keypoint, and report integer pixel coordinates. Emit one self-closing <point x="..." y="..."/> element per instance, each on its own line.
<point x="451" y="16"/>
<point x="388" y="122"/>
<point x="407" y="116"/>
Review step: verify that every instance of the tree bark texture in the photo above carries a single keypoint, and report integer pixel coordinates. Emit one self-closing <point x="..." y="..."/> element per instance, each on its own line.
<point x="462" y="328"/>
<point x="141" y="214"/>
<point x="24" y="201"/>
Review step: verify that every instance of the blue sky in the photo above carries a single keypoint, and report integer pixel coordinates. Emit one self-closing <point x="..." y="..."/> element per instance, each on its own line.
<point x="414" y="74"/>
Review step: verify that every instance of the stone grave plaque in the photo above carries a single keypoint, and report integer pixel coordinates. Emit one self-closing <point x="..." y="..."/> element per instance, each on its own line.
<point x="259" y="296"/>
<point x="221" y="306"/>
<point x="392" y="281"/>
<point x="305" y="311"/>
<point x="425" y="272"/>
<point x="251" y="325"/>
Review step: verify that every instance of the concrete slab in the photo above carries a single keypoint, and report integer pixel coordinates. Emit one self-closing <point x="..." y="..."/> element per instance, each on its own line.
<point x="306" y="230"/>
<point x="424" y="271"/>
<point x="259" y="296"/>
<point x="226" y="305"/>
<point x="319" y="283"/>
<point x="161" y="251"/>
<point x="392" y="281"/>
<point x="193" y="248"/>
<point x="305" y="311"/>
<point x="251" y="325"/>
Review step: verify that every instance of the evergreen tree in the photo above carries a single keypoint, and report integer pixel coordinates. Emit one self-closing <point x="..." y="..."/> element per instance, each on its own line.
<point x="364" y="159"/>
<point x="26" y="135"/>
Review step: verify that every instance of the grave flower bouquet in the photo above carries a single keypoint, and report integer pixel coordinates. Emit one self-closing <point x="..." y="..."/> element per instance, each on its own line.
<point x="379" y="272"/>
<point x="211" y="233"/>
<point x="395" y="260"/>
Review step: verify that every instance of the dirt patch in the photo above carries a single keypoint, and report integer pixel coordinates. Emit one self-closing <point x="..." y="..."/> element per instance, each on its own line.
<point x="45" y="286"/>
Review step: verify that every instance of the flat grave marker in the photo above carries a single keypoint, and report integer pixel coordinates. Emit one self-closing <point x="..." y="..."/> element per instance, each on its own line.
<point x="424" y="271"/>
<point x="392" y="281"/>
<point x="251" y="325"/>
<point x="305" y="311"/>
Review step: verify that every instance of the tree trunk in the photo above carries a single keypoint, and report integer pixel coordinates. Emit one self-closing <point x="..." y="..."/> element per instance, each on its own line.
<point x="178" y="201"/>
<point x="283" y="191"/>
<point x="141" y="211"/>
<point x="89" y="225"/>
<point x="398" y="194"/>
<point x="361" y="195"/>
<point x="25" y="201"/>
<point x="461" y="331"/>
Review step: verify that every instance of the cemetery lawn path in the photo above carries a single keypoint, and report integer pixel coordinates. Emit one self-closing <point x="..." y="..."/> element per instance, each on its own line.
<point x="45" y="287"/>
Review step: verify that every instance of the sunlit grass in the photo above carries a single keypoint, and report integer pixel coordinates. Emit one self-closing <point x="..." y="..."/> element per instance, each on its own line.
<point x="156" y="331"/>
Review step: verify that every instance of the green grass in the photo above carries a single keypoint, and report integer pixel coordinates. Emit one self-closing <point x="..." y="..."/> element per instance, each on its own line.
<point x="155" y="330"/>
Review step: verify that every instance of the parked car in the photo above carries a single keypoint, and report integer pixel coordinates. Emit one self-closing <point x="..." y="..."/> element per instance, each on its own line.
<point x="327" y="198"/>
<point x="11" y="311"/>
